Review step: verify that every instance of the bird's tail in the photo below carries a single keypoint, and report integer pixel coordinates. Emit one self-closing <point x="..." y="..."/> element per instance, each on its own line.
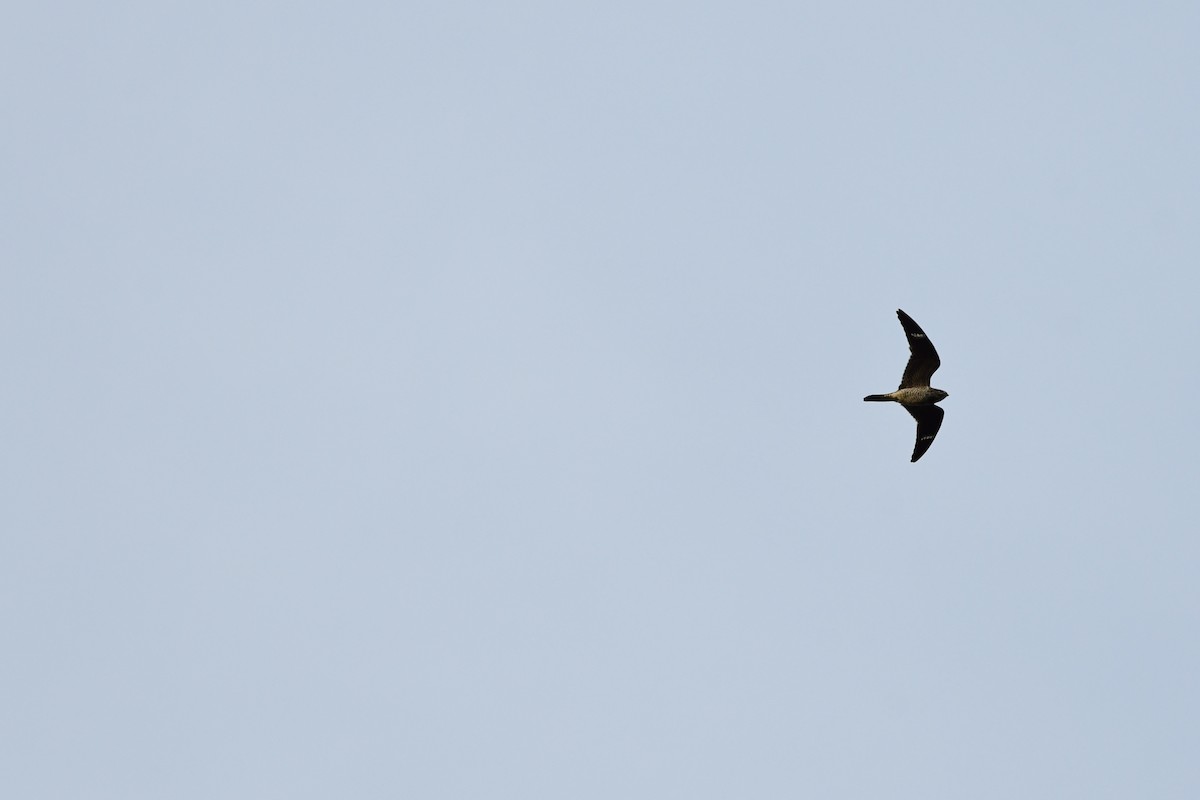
<point x="877" y="398"/>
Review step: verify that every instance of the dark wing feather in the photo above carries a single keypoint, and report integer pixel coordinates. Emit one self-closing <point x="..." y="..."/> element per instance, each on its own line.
<point x="929" y="421"/>
<point x="923" y="361"/>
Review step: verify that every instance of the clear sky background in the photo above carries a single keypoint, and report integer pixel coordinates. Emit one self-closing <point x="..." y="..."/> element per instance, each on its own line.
<point x="464" y="400"/>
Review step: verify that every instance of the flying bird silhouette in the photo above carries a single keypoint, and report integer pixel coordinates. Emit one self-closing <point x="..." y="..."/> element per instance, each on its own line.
<point x="915" y="393"/>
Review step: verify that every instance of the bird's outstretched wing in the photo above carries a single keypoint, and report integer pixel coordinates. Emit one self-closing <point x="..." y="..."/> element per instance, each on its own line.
<point x="929" y="421"/>
<point x="923" y="361"/>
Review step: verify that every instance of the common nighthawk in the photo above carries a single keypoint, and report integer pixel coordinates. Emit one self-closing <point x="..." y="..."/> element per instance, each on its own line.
<point x="915" y="393"/>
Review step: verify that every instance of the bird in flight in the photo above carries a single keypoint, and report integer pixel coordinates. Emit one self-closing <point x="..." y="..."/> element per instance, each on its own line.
<point x="915" y="393"/>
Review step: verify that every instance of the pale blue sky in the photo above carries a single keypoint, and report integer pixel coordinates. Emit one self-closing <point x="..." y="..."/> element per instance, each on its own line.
<point x="463" y="400"/>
